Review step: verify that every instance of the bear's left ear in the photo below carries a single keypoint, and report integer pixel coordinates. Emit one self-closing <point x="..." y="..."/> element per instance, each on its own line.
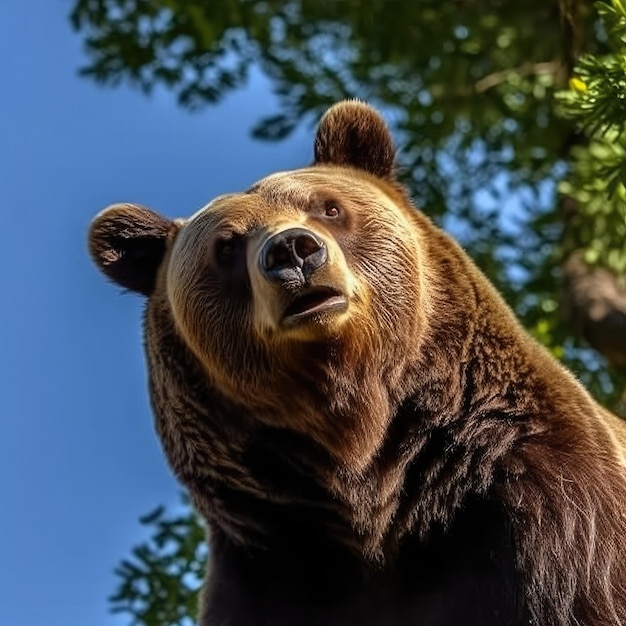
<point x="128" y="242"/>
<point x="352" y="133"/>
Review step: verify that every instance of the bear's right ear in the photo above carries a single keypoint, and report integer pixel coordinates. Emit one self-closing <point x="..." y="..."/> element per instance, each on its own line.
<point x="128" y="243"/>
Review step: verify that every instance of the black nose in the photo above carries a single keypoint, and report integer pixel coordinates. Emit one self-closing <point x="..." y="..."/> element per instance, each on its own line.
<point x="292" y="254"/>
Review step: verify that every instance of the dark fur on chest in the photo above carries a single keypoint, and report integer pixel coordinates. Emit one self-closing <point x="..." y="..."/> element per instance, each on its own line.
<point x="310" y="569"/>
<point x="464" y="575"/>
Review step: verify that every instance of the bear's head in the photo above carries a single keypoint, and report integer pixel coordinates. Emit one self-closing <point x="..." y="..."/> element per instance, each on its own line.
<point x="298" y="300"/>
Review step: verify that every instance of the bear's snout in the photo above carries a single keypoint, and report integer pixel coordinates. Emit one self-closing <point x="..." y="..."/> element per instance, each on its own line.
<point x="292" y="255"/>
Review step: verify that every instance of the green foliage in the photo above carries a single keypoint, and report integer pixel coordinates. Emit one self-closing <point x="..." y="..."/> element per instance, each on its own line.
<point x="599" y="227"/>
<point x="596" y="101"/>
<point x="159" y="584"/>
<point x="458" y="78"/>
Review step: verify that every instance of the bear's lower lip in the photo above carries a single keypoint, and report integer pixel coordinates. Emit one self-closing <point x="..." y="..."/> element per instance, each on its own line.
<point x="311" y="302"/>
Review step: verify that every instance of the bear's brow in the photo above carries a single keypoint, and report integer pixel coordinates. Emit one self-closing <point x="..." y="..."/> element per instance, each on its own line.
<point x="291" y="191"/>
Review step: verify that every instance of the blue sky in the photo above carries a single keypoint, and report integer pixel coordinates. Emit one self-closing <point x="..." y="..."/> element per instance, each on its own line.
<point x="79" y="461"/>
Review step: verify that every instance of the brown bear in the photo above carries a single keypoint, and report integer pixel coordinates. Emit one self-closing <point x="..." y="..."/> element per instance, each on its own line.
<point x="371" y="435"/>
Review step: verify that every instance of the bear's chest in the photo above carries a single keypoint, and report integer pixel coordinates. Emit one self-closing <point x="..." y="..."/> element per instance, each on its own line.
<point x="463" y="576"/>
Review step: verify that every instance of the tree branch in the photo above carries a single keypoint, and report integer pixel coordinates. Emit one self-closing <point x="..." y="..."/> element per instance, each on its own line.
<point x="556" y="68"/>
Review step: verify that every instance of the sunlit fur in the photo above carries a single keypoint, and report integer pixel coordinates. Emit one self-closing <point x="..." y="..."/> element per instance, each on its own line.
<point x="376" y="430"/>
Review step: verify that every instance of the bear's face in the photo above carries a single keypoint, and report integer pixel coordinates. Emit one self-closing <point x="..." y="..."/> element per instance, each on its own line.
<point x="316" y="256"/>
<point x="293" y="294"/>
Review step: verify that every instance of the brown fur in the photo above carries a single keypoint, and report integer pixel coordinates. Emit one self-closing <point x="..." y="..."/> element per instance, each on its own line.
<point x="378" y="434"/>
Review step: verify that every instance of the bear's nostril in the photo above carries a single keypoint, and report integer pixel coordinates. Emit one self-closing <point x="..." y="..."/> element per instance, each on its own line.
<point x="276" y="256"/>
<point x="305" y="245"/>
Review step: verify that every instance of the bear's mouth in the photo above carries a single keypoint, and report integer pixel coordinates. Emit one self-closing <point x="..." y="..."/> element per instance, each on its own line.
<point x="313" y="301"/>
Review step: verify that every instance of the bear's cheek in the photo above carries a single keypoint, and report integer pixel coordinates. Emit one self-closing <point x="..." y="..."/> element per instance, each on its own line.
<point x="386" y="266"/>
<point x="220" y="335"/>
<point x="211" y="314"/>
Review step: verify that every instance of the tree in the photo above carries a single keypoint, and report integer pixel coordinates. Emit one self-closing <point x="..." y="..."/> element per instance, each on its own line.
<point x="510" y="120"/>
<point x="159" y="583"/>
<point x="593" y="275"/>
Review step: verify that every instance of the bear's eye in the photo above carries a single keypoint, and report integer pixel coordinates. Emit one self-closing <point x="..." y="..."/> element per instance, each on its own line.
<point x="331" y="209"/>
<point x="225" y="251"/>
